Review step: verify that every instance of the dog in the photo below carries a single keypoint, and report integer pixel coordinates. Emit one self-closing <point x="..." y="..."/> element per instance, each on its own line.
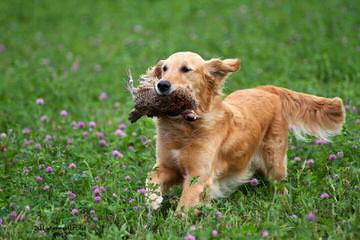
<point x="247" y="131"/>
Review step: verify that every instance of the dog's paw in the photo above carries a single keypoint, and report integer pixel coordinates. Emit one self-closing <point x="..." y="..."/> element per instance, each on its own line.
<point x="180" y="214"/>
<point x="154" y="200"/>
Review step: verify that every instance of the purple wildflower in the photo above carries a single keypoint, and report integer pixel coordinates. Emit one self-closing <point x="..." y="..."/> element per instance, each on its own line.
<point x="26" y="170"/>
<point x="119" y="133"/>
<point x="69" y="141"/>
<point x="95" y="190"/>
<point x="100" y="135"/>
<point x="332" y="157"/>
<point x="254" y="182"/>
<point x="13" y="215"/>
<point x="26" y="131"/>
<point x="49" y="169"/>
<point x="116" y="154"/>
<point x="38" y="179"/>
<point x="74" y="125"/>
<point x="75" y="66"/>
<point x="297" y="159"/>
<point x="131" y="148"/>
<point x="357" y="187"/>
<point x="46" y="188"/>
<point x="354" y="109"/>
<point x="324" y="195"/>
<point x="310" y="216"/>
<point x="43" y="119"/>
<point x="45" y="62"/>
<point x="131" y="200"/>
<point x="347" y="107"/>
<point x="127" y="178"/>
<point x="37" y="146"/>
<point x="72" y="165"/>
<point x="40" y="101"/>
<point x="264" y="233"/>
<point x="80" y="124"/>
<point x="63" y="113"/>
<point x="309" y="162"/>
<point x="27" y="142"/>
<point x="141" y="191"/>
<point x="85" y="134"/>
<point x="102" y="96"/>
<point x="48" y="138"/>
<point x="137" y="207"/>
<point x="1" y="222"/>
<point x="214" y="233"/>
<point x="189" y="237"/>
<point x="291" y="127"/>
<point x="102" y="189"/>
<point x="71" y="196"/>
<point x="92" y="124"/>
<point x="74" y="211"/>
<point x="144" y="140"/>
<point x="320" y="141"/>
<point x="218" y="214"/>
<point x="121" y="126"/>
<point x="97" y="199"/>
<point x="102" y="142"/>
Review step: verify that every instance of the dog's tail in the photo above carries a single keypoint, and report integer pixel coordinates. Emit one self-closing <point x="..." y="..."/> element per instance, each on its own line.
<point x="309" y="114"/>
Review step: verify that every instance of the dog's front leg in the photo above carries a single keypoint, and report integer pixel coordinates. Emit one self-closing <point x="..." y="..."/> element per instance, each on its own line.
<point x="159" y="180"/>
<point x="197" y="164"/>
<point x="195" y="191"/>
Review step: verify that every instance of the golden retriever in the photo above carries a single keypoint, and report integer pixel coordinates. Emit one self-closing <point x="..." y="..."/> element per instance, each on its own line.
<point x="234" y="137"/>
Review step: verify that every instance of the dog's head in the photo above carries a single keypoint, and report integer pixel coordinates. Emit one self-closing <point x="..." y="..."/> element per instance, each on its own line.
<point x="189" y="70"/>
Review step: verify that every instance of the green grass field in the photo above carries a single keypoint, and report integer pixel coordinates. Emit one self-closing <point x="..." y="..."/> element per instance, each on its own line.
<point x="71" y="53"/>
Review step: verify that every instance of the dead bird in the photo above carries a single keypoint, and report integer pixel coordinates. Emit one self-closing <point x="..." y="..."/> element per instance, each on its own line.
<point x="149" y="103"/>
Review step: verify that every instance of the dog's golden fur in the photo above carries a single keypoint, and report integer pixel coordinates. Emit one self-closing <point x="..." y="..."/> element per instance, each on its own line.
<point x="235" y="136"/>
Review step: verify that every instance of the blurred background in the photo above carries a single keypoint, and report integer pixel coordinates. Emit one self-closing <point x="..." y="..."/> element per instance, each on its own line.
<point x="69" y="52"/>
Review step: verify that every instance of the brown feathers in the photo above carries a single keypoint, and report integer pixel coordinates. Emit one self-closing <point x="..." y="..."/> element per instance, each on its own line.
<point x="149" y="103"/>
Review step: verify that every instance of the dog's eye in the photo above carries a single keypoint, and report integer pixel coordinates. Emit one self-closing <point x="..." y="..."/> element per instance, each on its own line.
<point x="165" y="68"/>
<point x="185" y="69"/>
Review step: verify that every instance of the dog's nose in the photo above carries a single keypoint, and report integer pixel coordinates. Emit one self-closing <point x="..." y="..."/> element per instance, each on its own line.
<point x="164" y="87"/>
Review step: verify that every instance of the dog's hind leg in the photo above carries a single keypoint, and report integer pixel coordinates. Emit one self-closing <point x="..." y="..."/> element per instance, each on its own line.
<point x="274" y="149"/>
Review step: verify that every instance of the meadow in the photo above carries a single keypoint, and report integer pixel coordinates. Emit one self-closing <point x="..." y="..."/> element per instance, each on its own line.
<point x="73" y="167"/>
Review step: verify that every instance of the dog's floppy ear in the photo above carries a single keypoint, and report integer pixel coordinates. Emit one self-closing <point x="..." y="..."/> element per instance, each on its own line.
<point x="219" y="69"/>
<point x="155" y="71"/>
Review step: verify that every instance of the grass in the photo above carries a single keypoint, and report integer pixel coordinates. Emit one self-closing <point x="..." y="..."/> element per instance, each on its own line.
<point x="68" y="52"/>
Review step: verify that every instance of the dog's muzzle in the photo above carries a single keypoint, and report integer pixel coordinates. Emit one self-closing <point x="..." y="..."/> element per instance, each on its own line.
<point x="163" y="87"/>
